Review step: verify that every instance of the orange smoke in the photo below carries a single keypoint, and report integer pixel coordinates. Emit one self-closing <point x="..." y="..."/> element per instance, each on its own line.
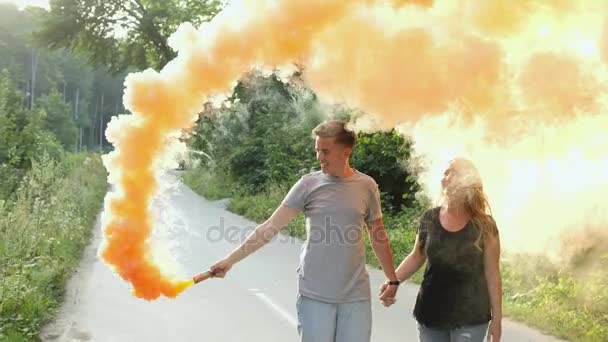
<point x="407" y="74"/>
<point x="555" y="85"/>
<point x="423" y="3"/>
<point x="479" y="78"/>
<point x="209" y="63"/>
<point x="603" y="43"/>
<point x="505" y="17"/>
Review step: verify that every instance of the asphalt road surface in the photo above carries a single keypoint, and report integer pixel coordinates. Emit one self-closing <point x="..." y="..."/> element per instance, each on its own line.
<point x="255" y="302"/>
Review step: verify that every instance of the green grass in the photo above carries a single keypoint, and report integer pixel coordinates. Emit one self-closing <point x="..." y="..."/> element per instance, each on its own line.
<point x="568" y="302"/>
<point x="208" y="184"/>
<point x="42" y="235"/>
<point x="564" y="301"/>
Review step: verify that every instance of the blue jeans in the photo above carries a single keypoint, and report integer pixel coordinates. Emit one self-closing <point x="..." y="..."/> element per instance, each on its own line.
<point x="329" y="322"/>
<point x="472" y="333"/>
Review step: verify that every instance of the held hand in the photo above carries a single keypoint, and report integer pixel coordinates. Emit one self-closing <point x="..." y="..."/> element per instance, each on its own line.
<point x="495" y="331"/>
<point x="220" y="268"/>
<point x="382" y="288"/>
<point x="387" y="294"/>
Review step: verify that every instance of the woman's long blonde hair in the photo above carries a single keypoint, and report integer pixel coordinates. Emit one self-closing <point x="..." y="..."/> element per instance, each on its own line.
<point x="473" y="199"/>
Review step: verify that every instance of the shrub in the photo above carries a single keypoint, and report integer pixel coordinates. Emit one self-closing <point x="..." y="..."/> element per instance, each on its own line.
<point x="42" y="235"/>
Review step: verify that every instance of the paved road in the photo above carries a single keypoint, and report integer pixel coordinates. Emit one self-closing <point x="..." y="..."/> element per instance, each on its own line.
<point x="256" y="302"/>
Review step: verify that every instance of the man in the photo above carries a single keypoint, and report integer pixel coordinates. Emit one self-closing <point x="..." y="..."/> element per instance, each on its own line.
<point x="333" y="301"/>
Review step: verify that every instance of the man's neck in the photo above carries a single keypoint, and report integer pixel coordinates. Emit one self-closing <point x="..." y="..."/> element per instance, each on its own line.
<point x="346" y="172"/>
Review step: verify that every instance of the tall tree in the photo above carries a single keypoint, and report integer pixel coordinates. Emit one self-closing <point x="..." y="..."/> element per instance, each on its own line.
<point x="121" y="33"/>
<point x="66" y="83"/>
<point x="10" y="105"/>
<point x="59" y="119"/>
<point x="23" y="133"/>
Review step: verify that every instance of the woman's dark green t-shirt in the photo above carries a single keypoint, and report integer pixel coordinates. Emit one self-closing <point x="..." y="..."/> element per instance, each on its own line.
<point x="453" y="292"/>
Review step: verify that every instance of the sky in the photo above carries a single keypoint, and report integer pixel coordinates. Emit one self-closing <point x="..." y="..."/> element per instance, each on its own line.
<point x="25" y="3"/>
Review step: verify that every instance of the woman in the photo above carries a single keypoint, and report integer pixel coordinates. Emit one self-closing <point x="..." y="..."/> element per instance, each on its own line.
<point x="460" y="296"/>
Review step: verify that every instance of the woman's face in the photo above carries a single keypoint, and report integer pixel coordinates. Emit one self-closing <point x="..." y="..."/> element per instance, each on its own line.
<point x="458" y="177"/>
<point x="449" y="176"/>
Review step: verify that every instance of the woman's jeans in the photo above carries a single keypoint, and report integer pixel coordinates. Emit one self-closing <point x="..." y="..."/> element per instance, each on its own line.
<point x="473" y="333"/>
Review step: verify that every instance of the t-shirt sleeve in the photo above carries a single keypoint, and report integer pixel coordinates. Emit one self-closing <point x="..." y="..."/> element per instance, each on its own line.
<point x="374" y="209"/>
<point x="296" y="197"/>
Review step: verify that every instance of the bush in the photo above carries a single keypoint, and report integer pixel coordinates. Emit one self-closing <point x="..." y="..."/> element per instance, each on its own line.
<point x="42" y="235"/>
<point x="9" y="181"/>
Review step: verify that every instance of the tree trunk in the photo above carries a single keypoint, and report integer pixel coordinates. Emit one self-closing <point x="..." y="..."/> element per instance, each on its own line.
<point x="101" y="125"/>
<point x="93" y="130"/>
<point x="33" y="83"/>
<point x="26" y="98"/>
<point x="76" y="117"/>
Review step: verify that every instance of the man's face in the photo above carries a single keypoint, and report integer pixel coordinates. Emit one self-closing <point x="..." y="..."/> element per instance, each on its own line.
<point x="331" y="155"/>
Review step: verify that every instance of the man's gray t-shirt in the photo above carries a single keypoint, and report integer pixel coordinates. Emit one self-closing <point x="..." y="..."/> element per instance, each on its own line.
<point x="332" y="262"/>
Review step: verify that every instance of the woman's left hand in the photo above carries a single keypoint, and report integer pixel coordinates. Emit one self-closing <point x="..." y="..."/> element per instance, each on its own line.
<point x="495" y="330"/>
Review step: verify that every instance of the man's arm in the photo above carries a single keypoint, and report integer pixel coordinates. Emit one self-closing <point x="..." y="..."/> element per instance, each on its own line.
<point x="258" y="238"/>
<point x="381" y="246"/>
<point x="382" y="249"/>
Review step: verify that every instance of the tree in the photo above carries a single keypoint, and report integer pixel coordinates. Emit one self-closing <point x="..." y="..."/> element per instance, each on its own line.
<point x="14" y="26"/>
<point x="385" y="156"/>
<point x="23" y="133"/>
<point x="59" y="119"/>
<point x="10" y="104"/>
<point x="121" y="33"/>
<point x="265" y="135"/>
<point x="34" y="71"/>
<point x="70" y="89"/>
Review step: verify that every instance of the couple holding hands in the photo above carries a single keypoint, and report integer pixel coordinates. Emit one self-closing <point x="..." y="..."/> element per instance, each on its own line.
<point x="460" y="295"/>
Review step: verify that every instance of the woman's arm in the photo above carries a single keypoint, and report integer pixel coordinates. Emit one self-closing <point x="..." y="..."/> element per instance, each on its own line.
<point x="408" y="266"/>
<point x="412" y="262"/>
<point x="494" y="282"/>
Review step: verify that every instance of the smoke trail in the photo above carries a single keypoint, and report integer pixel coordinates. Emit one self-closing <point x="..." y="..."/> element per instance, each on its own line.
<point x="245" y="35"/>
<point x="518" y="87"/>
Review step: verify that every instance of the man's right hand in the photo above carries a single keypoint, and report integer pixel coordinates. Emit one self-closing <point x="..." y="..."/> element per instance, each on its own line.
<point x="220" y="268"/>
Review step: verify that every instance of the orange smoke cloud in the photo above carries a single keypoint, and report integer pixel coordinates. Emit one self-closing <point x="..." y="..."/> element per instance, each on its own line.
<point x="485" y="65"/>
<point x="504" y="17"/>
<point x="556" y="85"/>
<point x="423" y="3"/>
<point x="407" y="74"/>
<point x="603" y="43"/>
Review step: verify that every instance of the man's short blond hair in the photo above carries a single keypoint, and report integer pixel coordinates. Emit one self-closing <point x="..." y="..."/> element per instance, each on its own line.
<point x="336" y="129"/>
